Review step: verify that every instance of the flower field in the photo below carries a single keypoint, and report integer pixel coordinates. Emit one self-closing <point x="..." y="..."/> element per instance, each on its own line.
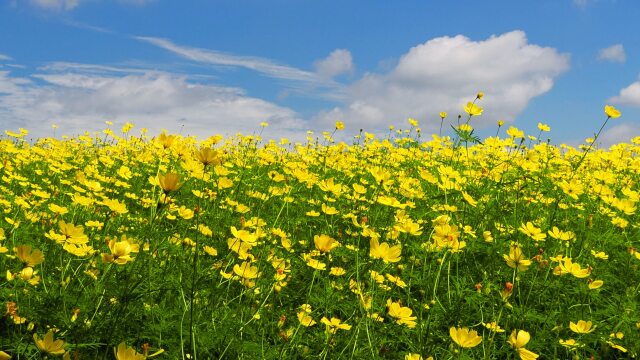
<point x="114" y="245"/>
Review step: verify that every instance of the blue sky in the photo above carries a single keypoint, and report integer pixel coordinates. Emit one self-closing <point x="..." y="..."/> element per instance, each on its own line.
<point x="222" y="66"/>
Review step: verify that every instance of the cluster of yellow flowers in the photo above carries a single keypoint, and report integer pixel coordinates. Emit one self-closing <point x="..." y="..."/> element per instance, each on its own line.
<point x="373" y="227"/>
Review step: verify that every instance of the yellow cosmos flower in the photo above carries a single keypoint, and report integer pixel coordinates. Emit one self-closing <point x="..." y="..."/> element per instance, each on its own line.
<point x="334" y="325"/>
<point x="582" y="327"/>
<point x="443" y="115"/>
<point x="208" y="156"/>
<point x="401" y="314"/>
<point x="493" y="326"/>
<point x="384" y="251"/>
<point x="533" y="232"/>
<point x="611" y="111"/>
<point x="123" y="352"/>
<point x="595" y="284"/>
<point x="518" y="340"/>
<point x="120" y="251"/>
<point x="28" y="256"/>
<point x="314" y="263"/>
<point x="569" y="343"/>
<point x="48" y="345"/>
<point x="325" y="243"/>
<point x="246" y="270"/>
<point x="543" y="127"/>
<point x="4" y="356"/>
<point x="304" y="316"/>
<point x="473" y="109"/>
<point x="169" y="182"/>
<point x="465" y="338"/>
<point x="339" y="125"/>
<point x="516" y="259"/>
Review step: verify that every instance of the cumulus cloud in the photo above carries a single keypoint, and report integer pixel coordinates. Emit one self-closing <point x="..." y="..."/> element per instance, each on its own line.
<point x="82" y="101"/>
<point x="337" y="63"/>
<point x="628" y="96"/>
<point x="613" y="53"/>
<point x="442" y="74"/>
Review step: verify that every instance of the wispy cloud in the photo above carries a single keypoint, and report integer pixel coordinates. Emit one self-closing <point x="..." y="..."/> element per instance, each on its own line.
<point x="57" y="5"/>
<point x="261" y="65"/>
<point x="68" y="5"/>
<point x="613" y="53"/>
<point x="5" y="57"/>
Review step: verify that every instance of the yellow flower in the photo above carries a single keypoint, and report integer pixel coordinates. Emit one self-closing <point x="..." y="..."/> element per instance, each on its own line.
<point x="48" y="345"/>
<point x="169" y="182"/>
<point x="246" y="270"/>
<point x="533" y="232"/>
<point x="473" y="109"/>
<point x="465" y="338"/>
<point x="325" y="243"/>
<point x="413" y="122"/>
<point x="515" y="132"/>
<point x="28" y="256"/>
<point x="595" y="284"/>
<point x="480" y="95"/>
<point x="4" y="356"/>
<point x="518" y="340"/>
<point x="314" y="263"/>
<point x="401" y="314"/>
<point x="493" y="326"/>
<point x="543" y="127"/>
<point x="611" y="111"/>
<point x="443" y="115"/>
<point x="334" y="325"/>
<point x="304" y="316"/>
<point x="617" y="347"/>
<point x="384" y="251"/>
<point x="123" y="352"/>
<point x="120" y="251"/>
<point x="166" y="140"/>
<point x="339" y="125"/>
<point x="208" y="156"/>
<point x="516" y="259"/>
<point x="569" y="343"/>
<point x="582" y="327"/>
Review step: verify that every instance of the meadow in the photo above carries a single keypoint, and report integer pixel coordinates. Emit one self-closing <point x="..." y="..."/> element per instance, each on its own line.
<point x="406" y="246"/>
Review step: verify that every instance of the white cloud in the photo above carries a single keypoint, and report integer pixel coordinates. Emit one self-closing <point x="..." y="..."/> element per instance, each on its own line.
<point x="443" y="74"/>
<point x="628" y="96"/>
<point x="614" y="53"/>
<point x="56" y="4"/>
<point x="81" y="102"/>
<point x="337" y="63"/>
<point x="4" y="57"/>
